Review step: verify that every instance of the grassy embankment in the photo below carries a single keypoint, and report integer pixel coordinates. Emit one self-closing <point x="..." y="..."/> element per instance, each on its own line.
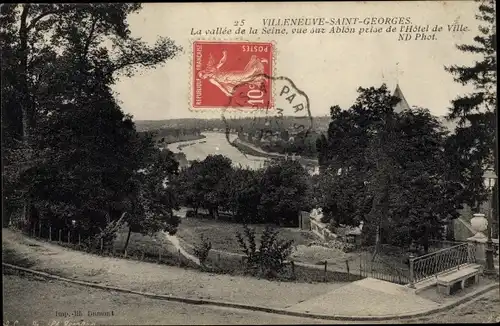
<point x="245" y="149"/>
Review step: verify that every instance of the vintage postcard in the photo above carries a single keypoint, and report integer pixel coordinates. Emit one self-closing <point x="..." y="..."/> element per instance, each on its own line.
<point x="249" y="163"/>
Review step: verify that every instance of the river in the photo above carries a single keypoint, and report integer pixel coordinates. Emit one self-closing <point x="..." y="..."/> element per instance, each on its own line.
<point x="216" y="143"/>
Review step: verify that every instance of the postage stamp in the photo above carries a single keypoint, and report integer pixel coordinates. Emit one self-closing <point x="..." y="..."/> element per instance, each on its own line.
<point x="220" y="68"/>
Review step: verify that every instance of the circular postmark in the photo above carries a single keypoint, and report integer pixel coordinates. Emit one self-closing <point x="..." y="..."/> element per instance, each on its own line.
<point x="269" y="114"/>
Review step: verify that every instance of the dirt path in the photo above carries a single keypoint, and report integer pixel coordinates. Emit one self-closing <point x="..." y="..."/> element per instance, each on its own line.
<point x="161" y="279"/>
<point x="176" y="243"/>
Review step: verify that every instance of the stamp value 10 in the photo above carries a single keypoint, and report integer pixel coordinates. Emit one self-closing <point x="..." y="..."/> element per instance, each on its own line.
<point x="220" y="69"/>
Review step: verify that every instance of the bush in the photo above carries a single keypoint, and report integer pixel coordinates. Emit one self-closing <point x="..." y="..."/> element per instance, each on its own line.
<point x="202" y="249"/>
<point x="269" y="259"/>
<point x="106" y="236"/>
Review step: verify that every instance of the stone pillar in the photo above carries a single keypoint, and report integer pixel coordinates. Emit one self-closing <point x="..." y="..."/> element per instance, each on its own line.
<point x="479" y="224"/>
<point x="480" y="249"/>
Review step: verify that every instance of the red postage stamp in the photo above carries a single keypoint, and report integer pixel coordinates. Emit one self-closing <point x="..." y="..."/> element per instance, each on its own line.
<point x="232" y="74"/>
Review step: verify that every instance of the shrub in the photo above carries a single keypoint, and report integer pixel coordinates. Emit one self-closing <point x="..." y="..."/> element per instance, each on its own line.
<point x="202" y="249"/>
<point x="269" y="259"/>
<point x="106" y="235"/>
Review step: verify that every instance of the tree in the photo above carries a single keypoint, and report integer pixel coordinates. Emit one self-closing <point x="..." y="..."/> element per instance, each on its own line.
<point x="285" y="191"/>
<point x="384" y="168"/>
<point x="205" y="184"/>
<point x="474" y="140"/>
<point x="152" y="196"/>
<point x="244" y="195"/>
<point x="343" y="198"/>
<point x="214" y="170"/>
<point x="88" y="155"/>
<point x="70" y="149"/>
<point x="188" y="186"/>
<point x="426" y="191"/>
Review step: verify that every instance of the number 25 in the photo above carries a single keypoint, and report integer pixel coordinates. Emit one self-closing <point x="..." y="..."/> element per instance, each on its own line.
<point x="239" y="22"/>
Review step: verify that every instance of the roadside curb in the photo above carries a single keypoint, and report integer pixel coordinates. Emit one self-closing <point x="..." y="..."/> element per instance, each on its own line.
<point x="417" y="314"/>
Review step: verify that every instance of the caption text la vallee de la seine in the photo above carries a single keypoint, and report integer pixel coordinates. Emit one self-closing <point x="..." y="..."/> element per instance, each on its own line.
<point x="402" y="27"/>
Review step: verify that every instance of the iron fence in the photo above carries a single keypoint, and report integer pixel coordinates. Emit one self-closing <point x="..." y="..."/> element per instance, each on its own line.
<point x="429" y="265"/>
<point x="382" y="270"/>
<point x="388" y="264"/>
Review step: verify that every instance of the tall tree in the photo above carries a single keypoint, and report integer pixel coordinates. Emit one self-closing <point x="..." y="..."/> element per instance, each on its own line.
<point x="474" y="141"/>
<point x="152" y="196"/>
<point x="384" y="167"/>
<point x="205" y="184"/>
<point x="213" y="182"/>
<point x="65" y="129"/>
<point x="243" y="195"/>
<point x="285" y="191"/>
<point x="189" y="187"/>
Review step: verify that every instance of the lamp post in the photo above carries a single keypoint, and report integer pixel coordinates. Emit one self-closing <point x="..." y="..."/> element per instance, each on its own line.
<point x="489" y="181"/>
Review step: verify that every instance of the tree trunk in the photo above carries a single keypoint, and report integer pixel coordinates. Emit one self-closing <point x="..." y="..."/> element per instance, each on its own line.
<point x="128" y="238"/>
<point x="23" y="70"/>
<point x="495" y="212"/>
<point x="26" y="110"/>
<point x="425" y="241"/>
<point x="496" y="201"/>
<point x="377" y="243"/>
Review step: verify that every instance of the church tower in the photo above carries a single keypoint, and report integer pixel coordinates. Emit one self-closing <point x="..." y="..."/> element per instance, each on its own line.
<point x="401" y="105"/>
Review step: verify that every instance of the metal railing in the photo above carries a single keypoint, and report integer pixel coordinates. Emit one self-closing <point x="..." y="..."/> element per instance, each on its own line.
<point x="387" y="265"/>
<point x="429" y="265"/>
<point x="382" y="270"/>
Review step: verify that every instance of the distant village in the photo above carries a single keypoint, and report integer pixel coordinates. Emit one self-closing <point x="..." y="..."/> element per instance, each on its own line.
<point x="290" y="140"/>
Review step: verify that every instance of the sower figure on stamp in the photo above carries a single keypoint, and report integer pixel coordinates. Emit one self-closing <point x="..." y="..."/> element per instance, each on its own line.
<point x="227" y="81"/>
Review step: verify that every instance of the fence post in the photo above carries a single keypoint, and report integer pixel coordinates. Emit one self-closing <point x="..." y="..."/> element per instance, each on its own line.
<point x="360" y="266"/>
<point x="159" y="255"/>
<point x="39" y="229"/>
<point x="412" y="272"/>
<point x="69" y="236"/>
<point x="218" y="258"/>
<point x="324" y="274"/>
<point x="102" y="245"/>
<point x="293" y="268"/>
<point x="179" y="257"/>
<point x="60" y="234"/>
<point x="50" y="233"/>
<point x="348" y="273"/>
<point x="79" y="239"/>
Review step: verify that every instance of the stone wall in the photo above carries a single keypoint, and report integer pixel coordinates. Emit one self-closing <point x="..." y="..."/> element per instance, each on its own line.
<point x="321" y="230"/>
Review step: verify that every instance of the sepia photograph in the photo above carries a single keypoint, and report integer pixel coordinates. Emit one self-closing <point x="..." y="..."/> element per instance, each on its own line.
<point x="225" y="163"/>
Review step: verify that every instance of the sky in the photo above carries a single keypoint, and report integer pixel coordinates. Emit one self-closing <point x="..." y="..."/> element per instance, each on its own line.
<point x="328" y="68"/>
